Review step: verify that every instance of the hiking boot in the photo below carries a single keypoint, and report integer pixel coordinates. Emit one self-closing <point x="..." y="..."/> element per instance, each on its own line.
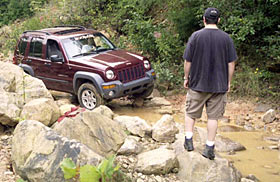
<point x="208" y="152"/>
<point x="188" y="144"/>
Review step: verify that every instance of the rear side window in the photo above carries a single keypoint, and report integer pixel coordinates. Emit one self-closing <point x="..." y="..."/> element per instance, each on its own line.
<point x="22" y="45"/>
<point x="36" y="47"/>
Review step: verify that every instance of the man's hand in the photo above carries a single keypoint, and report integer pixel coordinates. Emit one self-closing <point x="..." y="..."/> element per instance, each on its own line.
<point x="186" y="83"/>
<point x="228" y="87"/>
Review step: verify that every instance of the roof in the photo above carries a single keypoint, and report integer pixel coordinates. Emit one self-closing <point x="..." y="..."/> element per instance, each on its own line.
<point x="62" y="31"/>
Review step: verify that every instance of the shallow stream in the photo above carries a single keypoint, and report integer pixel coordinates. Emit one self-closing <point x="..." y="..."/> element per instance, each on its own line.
<point x="257" y="159"/>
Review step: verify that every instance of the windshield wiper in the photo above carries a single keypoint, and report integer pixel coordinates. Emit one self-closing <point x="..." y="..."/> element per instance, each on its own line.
<point x="84" y="54"/>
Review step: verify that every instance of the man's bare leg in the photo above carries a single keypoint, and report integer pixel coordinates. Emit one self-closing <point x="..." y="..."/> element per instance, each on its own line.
<point x="212" y="126"/>
<point x="189" y="125"/>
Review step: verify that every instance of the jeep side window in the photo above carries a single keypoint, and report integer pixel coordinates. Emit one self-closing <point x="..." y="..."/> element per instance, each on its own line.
<point x="36" y="47"/>
<point x="53" y="49"/>
<point x="22" y="45"/>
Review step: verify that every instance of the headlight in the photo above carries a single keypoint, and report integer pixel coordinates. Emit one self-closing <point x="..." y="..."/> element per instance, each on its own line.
<point x="110" y="74"/>
<point x="147" y="64"/>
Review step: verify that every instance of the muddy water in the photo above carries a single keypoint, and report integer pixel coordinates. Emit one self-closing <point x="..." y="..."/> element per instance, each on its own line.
<point x="257" y="159"/>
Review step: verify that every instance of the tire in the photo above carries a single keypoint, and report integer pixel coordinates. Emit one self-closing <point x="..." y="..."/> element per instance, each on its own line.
<point x="146" y="93"/>
<point x="88" y="96"/>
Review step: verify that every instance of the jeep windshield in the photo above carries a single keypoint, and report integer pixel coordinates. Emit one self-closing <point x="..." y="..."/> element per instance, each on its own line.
<point x="86" y="45"/>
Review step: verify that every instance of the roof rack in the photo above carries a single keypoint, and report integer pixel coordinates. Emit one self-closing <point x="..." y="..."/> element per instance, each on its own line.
<point x="37" y="31"/>
<point x="77" y="26"/>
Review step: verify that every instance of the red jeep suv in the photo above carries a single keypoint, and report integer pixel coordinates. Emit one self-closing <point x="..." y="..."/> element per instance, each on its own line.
<point x="85" y="63"/>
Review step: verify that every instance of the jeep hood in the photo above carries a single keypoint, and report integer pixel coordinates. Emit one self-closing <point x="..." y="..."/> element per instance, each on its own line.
<point x="114" y="58"/>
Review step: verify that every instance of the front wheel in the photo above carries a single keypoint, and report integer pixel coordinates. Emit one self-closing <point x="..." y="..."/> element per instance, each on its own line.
<point x="88" y="96"/>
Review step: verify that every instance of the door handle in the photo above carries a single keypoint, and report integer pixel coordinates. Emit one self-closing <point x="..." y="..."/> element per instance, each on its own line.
<point x="47" y="64"/>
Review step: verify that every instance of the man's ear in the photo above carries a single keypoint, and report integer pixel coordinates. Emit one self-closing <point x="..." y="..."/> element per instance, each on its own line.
<point x="219" y="20"/>
<point x="204" y="20"/>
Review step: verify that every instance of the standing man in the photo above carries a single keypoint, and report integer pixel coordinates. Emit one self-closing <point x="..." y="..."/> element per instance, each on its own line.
<point x="209" y="65"/>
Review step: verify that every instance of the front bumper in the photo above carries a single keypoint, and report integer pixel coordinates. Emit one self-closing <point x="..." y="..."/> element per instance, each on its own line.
<point x="123" y="89"/>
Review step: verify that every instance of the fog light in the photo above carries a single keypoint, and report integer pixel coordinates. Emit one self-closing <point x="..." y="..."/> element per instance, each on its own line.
<point x="111" y="93"/>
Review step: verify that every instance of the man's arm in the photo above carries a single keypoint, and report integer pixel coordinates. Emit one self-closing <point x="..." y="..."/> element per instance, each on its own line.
<point x="231" y="67"/>
<point x="187" y="67"/>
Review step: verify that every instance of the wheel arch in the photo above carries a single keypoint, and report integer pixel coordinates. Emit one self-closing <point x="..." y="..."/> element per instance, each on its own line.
<point x="27" y="69"/>
<point x="82" y="77"/>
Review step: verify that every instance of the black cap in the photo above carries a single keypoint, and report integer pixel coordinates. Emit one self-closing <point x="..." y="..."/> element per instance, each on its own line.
<point x="211" y="13"/>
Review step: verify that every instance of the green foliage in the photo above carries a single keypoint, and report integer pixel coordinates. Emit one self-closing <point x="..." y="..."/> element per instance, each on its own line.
<point x="11" y="10"/>
<point x="20" y="180"/>
<point x="88" y="173"/>
<point x="69" y="168"/>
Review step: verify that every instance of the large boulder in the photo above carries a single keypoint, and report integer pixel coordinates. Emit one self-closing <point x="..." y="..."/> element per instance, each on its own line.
<point x="158" y="161"/>
<point x="105" y="111"/>
<point x="13" y="79"/>
<point x="165" y="129"/>
<point x="9" y="109"/>
<point x="16" y="89"/>
<point x="134" y="125"/>
<point x="194" y="167"/>
<point x="130" y="147"/>
<point x="44" y="110"/>
<point x="99" y="132"/>
<point x="38" y="158"/>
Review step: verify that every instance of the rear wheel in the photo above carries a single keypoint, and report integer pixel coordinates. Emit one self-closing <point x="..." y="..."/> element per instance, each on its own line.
<point x="88" y="96"/>
<point x="145" y="93"/>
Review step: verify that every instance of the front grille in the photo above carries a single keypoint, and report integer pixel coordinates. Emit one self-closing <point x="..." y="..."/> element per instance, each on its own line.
<point x="131" y="73"/>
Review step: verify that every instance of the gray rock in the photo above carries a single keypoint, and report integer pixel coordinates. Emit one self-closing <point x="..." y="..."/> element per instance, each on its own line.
<point x="134" y="125"/>
<point x="100" y="133"/>
<point x="130" y="146"/>
<point x="157" y="102"/>
<point x="16" y="89"/>
<point x="222" y="144"/>
<point x="43" y="110"/>
<point x="38" y="158"/>
<point x="194" y="167"/>
<point x="158" y="161"/>
<point x="269" y="116"/>
<point x="105" y="111"/>
<point x="262" y="108"/>
<point x="165" y="129"/>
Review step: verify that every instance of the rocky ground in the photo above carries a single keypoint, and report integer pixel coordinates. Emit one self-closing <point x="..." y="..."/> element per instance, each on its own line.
<point x="245" y="114"/>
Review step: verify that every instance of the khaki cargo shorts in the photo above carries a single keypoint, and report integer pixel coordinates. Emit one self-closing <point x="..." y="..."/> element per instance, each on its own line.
<point x="215" y="104"/>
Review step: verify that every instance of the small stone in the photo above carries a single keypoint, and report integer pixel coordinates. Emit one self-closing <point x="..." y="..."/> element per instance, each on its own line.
<point x="252" y="177"/>
<point x="273" y="147"/>
<point x="8" y="173"/>
<point x="269" y="116"/>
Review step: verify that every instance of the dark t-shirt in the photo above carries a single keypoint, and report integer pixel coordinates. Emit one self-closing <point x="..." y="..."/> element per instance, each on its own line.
<point x="209" y="51"/>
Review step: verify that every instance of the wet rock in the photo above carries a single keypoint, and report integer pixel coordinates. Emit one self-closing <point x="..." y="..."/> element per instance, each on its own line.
<point x="230" y="128"/>
<point x="104" y="111"/>
<point x="194" y="167"/>
<point x="134" y="125"/>
<point x="269" y="116"/>
<point x="138" y="102"/>
<point x="222" y="144"/>
<point x="240" y="121"/>
<point x="165" y="129"/>
<point x="165" y="110"/>
<point x="252" y="177"/>
<point x="100" y="133"/>
<point x="157" y="102"/>
<point x="38" y="158"/>
<point x="225" y="120"/>
<point x="158" y="161"/>
<point x="130" y="147"/>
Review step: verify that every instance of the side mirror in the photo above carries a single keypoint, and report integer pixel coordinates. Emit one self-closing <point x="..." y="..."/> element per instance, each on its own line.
<point x="56" y="58"/>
